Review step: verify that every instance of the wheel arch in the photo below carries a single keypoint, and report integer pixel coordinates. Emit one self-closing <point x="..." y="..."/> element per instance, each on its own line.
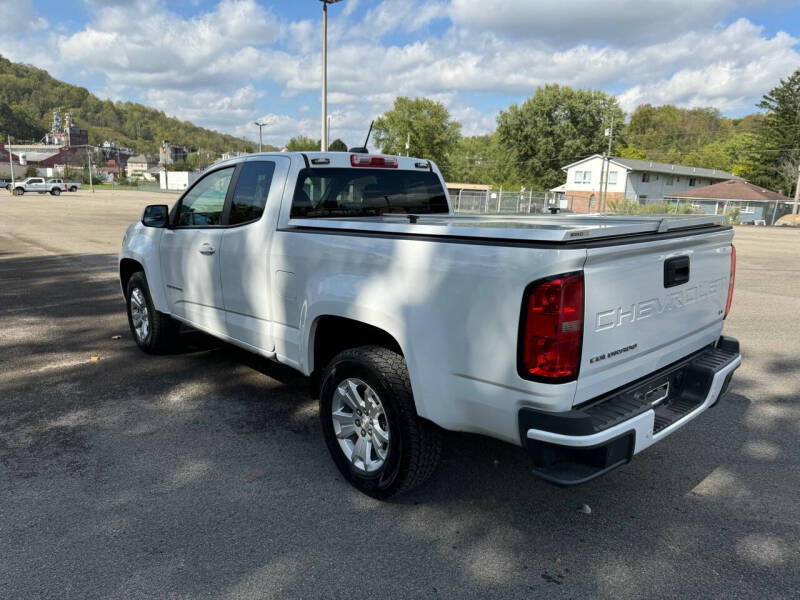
<point x="127" y="267"/>
<point x="331" y="334"/>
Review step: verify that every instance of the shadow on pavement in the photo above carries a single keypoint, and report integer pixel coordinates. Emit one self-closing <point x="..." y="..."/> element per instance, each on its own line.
<point x="204" y="473"/>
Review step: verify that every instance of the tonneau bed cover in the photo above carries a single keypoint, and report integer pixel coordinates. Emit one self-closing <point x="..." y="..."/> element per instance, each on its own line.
<point x="538" y="228"/>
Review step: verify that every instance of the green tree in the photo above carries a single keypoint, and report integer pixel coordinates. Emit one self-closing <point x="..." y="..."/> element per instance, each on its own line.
<point x="667" y="133"/>
<point x="301" y="142"/>
<point x="337" y="145"/>
<point x="555" y="127"/>
<point x="425" y="123"/>
<point x="631" y="151"/>
<point x="730" y="154"/>
<point x="480" y="159"/>
<point x="774" y="159"/>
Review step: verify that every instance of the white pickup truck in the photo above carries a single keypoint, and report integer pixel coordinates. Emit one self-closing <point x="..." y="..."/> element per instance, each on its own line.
<point x="66" y="186"/>
<point x="582" y="339"/>
<point x="36" y="184"/>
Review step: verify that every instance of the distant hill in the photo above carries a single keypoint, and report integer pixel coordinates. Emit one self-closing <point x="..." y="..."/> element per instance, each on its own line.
<point x="29" y="95"/>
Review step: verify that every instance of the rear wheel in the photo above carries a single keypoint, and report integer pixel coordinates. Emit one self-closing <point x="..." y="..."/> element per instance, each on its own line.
<point x="73" y="189"/>
<point x="154" y="332"/>
<point x="371" y="426"/>
<point x="56" y="191"/>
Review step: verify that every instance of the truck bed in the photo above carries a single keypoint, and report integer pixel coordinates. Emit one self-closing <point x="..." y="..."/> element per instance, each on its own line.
<point x="560" y="229"/>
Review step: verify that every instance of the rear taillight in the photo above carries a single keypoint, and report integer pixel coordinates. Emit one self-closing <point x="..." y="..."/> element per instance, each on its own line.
<point x="371" y="160"/>
<point x="731" y="282"/>
<point x="551" y="329"/>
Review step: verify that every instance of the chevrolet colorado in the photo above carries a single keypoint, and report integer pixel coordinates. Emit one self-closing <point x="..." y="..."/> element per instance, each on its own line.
<point x="583" y="339"/>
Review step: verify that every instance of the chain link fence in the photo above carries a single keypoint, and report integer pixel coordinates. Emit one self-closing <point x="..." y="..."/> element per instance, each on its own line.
<point x="501" y="202"/>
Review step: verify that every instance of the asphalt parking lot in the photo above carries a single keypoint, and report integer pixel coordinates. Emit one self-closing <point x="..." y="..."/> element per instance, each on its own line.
<point x="204" y="473"/>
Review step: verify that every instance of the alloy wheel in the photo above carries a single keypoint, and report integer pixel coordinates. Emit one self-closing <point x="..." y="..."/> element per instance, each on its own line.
<point x="139" y="314"/>
<point x="360" y="424"/>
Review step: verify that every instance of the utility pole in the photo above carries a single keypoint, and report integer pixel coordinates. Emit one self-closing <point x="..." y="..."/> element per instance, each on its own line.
<point x="91" y="181"/>
<point x="408" y="144"/>
<point x="600" y="187"/>
<point x="165" y="147"/>
<point x="323" y="144"/>
<point x="796" y="192"/>
<point x="610" y="134"/>
<point x="11" y="165"/>
<point x="260" y="125"/>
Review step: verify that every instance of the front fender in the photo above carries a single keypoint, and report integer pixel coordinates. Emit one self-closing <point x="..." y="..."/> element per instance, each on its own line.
<point x="141" y="244"/>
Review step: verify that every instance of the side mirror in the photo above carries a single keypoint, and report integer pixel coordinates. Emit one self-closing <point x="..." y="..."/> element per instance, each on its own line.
<point x="156" y="215"/>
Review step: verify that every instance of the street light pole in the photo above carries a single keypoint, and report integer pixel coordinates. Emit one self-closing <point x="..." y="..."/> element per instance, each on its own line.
<point x="323" y="144"/>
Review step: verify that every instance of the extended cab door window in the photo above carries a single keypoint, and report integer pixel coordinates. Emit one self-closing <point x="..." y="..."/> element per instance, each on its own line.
<point x="250" y="194"/>
<point x="203" y="204"/>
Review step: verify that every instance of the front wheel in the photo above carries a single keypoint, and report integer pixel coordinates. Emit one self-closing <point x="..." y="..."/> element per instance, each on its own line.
<point x="20" y="191"/>
<point x="371" y="426"/>
<point x="154" y="332"/>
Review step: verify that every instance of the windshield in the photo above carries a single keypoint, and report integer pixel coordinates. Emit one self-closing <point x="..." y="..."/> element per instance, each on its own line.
<point x="331" y="192"/>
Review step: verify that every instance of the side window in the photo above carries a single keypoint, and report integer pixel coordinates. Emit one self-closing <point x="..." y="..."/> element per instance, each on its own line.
<point x="252" y="189"/>
<point x="202" y="205"/>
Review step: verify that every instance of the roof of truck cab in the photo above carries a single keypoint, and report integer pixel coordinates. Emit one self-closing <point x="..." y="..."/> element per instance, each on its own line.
<point x="337" y="159"/>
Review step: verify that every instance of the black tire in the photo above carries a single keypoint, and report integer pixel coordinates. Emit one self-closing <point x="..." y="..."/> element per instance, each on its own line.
<point x="20" y="191"/>
<point x="162" y="330"/>
<point x="73" y="189"/>
<point x="415" y="445"/>
<point x="56" y="191"/>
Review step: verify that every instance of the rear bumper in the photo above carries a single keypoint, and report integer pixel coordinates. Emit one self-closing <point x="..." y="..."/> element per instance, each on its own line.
<point x="576" y="446"/>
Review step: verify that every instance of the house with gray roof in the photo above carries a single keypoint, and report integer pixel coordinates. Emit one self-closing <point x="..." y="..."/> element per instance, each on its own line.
<point x="629" y="179"/>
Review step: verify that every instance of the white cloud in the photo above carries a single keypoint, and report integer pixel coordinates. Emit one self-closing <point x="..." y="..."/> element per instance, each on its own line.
<point x="215" y="68"/>
<point x="739" y="64"/>
<point x="618" y="22"/>
<point x="217" y="109"/>
<point x="405" y="15"/>
<point x="21" y="15"/>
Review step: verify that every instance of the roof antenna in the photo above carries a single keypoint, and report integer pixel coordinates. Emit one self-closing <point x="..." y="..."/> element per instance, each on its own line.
<point x="363" y="149"/>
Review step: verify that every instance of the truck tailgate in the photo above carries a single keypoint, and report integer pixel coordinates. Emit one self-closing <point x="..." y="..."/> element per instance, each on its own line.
<point x="650" y="304"/>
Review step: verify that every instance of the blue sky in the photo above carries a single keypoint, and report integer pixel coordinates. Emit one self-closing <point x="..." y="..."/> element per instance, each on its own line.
<point x="225" y="63"/>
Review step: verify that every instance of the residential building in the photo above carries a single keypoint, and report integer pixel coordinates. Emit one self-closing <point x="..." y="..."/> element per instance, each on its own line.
<point x="755" y="204"/>
<point x="629" y="179"/>
<point x="138" y="167"/>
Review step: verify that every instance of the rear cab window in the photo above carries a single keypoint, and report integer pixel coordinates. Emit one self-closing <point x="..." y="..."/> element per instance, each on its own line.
<point x="342" y="192"/>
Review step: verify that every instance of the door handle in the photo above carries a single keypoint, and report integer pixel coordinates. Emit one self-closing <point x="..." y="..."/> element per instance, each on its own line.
<point x="207" y="249"/>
